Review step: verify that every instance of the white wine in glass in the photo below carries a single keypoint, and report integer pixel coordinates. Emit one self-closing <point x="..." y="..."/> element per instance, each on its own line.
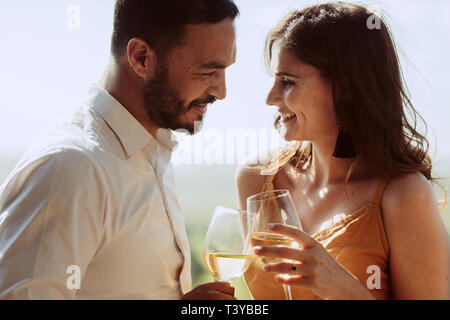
<point x="224" y="249"/>
<point x="268" y="239"/>
<point x="274" y="206"/>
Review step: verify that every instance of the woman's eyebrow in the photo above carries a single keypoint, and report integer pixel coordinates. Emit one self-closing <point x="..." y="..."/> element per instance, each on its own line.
<point x="286" y="74"/>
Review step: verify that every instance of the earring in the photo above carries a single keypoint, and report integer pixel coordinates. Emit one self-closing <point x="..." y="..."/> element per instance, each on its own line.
<point x="344" y="147"/>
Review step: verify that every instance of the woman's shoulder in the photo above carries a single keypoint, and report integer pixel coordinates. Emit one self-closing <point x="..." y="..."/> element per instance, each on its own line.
<point x="259" y="165"/>
<point x="254" y="169"/>
<point x="409" y="203"/>
<point x="252" y="173"/>
<point x="409" y="188"/>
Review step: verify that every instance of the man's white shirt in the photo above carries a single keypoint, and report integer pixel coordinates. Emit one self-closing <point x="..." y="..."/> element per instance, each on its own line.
<point x="95" y="191"/>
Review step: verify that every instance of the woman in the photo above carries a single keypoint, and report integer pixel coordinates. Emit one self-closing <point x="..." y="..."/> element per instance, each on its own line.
<point x="359" y="174"/>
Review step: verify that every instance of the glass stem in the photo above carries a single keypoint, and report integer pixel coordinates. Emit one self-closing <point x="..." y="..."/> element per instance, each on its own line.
<point x="287" y="291"/>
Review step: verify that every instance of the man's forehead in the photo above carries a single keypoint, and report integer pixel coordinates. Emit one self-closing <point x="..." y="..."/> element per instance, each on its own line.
<point x="216" y="57"/>
<point x="217" y="64"/>
<point x="221" y="29"/>
<point x="212" y="45"/>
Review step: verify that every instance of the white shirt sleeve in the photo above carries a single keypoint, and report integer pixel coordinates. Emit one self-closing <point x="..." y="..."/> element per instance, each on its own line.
<point x="51" y="217"/>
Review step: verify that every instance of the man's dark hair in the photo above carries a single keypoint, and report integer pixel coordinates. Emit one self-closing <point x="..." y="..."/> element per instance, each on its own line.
<point x="161" y="22"/>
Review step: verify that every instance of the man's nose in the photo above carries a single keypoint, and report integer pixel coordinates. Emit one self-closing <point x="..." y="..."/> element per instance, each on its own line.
<point x="218" y="87"/>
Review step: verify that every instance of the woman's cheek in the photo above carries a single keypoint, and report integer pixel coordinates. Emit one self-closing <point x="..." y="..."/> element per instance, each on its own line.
<point x="294" y="102"/>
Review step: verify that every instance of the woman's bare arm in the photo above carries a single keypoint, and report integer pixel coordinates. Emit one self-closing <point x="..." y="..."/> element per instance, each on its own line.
<point x="418" y="241"/>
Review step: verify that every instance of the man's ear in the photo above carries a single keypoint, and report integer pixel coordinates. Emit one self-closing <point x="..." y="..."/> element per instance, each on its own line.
<point x="141" y="58"/>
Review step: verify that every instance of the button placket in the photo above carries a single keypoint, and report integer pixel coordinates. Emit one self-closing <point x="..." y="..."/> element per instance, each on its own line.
<point x="158" y="165"/>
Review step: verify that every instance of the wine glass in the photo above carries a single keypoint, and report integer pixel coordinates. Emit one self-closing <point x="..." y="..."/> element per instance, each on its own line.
<point x="224" y="248"/>
<point x="274" y="206"/>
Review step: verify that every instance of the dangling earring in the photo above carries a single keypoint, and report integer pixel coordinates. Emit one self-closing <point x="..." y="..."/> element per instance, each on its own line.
<point x="344" y="147"/>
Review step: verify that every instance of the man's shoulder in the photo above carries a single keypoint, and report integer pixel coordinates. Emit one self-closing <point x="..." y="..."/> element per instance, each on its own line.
<point x="70" y="153"/>
<point x="81" y="133"/>
<point x="62" y="162"/>
<point x="54" y="172"/>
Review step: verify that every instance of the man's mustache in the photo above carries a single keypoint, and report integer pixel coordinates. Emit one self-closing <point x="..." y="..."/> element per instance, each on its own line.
<point x="208" y="100"/>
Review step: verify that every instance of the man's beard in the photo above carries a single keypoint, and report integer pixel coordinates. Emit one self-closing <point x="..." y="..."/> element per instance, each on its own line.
<point x="164" y="106"/>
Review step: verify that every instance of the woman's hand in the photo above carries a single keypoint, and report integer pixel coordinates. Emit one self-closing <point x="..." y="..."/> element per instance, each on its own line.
<point x="312" y="267"/>
<point x="211" y="291"/>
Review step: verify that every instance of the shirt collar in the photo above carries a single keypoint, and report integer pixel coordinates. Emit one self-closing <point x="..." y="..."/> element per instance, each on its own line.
<point x="130" y="132"/>
<point x="167" y="139"/>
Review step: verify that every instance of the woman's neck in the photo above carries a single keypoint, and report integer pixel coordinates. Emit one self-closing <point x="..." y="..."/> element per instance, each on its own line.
<point x="327" y="170"/>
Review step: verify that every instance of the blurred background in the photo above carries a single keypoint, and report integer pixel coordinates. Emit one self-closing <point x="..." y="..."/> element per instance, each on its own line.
<point x="53" y="50"/>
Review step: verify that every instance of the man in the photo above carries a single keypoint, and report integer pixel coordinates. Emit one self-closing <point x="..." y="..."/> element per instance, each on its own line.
<point x="90" y="211"/>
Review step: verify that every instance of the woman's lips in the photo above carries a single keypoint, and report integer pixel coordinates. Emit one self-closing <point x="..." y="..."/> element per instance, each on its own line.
<point x="286" y="117"/>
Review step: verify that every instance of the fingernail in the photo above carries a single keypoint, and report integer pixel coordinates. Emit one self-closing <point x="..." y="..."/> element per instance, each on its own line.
<point x="271" y="225"/>
<point x="257" y="249"/>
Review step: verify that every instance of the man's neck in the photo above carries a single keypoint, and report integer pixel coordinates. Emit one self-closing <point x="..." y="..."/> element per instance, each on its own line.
<point x="121" y="85"/>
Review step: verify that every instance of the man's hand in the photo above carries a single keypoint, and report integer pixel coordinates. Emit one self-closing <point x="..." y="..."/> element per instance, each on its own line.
<point x="211" y="291"/>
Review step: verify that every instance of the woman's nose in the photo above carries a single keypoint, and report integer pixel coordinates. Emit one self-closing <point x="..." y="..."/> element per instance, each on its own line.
<point x="273" y="97"/>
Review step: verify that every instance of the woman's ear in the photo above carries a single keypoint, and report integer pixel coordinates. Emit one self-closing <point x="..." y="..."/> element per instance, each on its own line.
<point x="142" y="58"/>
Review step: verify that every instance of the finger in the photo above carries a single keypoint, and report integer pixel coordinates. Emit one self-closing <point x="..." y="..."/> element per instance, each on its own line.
<point x="221" y="296"/>
<point x="281" y="252"/>
<point x="300" y="281"/>
<point x="289" y="268"/>
<point x="207" y="295"/>
<point x="221" y="286"/>
<point x="299" y="236"/>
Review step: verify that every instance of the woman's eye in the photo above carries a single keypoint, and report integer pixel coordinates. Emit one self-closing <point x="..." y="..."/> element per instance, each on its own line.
<point x="286" y="83"/>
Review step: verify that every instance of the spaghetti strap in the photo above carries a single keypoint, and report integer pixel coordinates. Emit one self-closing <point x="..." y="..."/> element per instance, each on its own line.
<point x="376" y="199"/>
<point x="269" y="179"/>
<point x="268" y="184"/>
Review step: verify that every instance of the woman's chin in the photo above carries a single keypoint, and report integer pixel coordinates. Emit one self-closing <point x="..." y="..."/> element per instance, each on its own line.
<point x="289" y="134"/>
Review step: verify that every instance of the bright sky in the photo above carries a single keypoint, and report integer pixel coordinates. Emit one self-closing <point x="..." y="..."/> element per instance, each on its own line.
<point x="49" y="58"/>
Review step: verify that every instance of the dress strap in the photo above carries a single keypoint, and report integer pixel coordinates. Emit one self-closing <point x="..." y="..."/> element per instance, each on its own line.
<point x="376" y="199"/>
<point x="268" y="183"/>
<point x="270" y="179"/>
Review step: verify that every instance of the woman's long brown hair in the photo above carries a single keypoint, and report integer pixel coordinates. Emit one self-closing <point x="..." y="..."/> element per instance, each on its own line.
<point x="354" y="49"/>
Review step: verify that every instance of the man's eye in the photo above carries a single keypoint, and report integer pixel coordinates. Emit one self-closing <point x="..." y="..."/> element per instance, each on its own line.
<point x="208" y="73"/>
